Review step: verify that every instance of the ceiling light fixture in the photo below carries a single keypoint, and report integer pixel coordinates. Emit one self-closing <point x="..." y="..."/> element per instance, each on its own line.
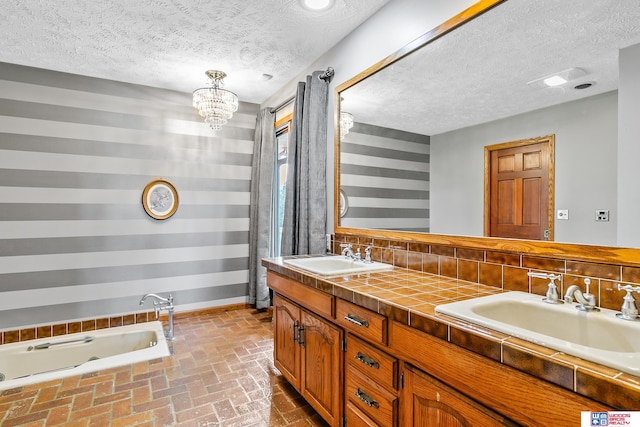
<point x="346" y="123"/>
<point x="317" y="5"/>
<point x="554" y="81"/>
<point x="559" y="78"/>
<point x="215" y="104"/>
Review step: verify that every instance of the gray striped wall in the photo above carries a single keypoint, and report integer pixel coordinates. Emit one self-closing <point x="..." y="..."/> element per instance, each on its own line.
<point x="385" y="175"/>
<point x="75" y="155"/>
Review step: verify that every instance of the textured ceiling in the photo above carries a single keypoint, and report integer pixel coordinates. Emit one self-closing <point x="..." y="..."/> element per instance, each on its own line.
<point x="171" y="43"/>
<point x="480" y="71"/>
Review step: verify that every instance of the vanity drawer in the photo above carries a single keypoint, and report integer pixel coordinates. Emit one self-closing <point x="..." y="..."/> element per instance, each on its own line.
<point x="317" y="301"/>
<point x="356" y="418"/>
<point x="362" y="322"/>
<point x="372" y="362"/>
<point x="370" y="398"/>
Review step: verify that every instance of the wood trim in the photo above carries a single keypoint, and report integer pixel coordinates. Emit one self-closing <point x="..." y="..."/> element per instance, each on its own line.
<point x="550" y="140"/>
<point x="209" y="310"/>
<point x="283" y="120"/>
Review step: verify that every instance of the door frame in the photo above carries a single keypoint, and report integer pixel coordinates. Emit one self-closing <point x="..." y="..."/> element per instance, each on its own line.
<point x="550" y="141"/>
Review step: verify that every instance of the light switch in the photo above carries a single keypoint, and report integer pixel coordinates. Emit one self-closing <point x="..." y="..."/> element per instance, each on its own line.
<point x="562" y="214"/>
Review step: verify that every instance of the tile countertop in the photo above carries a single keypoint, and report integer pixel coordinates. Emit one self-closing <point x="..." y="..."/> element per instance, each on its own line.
<point x="410" y="297"/>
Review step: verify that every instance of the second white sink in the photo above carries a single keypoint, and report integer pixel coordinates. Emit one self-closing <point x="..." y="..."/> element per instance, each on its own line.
<point x="596" y="336"/>
<point x="336" y="265"/>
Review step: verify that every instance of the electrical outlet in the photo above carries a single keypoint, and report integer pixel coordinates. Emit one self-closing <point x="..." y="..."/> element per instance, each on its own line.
<point x="602" y="215"/>
<point x="562" y="214"/>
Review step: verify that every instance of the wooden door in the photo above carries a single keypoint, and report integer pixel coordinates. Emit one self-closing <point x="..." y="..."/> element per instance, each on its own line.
<point x="429" y="402"/>
<point x="519" y="189"/>
<point x="286" y="351"/>
<point x="322" y="367"/>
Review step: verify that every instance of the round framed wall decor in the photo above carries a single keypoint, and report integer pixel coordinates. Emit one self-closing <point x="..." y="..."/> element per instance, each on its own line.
<point x="160" y="199"/>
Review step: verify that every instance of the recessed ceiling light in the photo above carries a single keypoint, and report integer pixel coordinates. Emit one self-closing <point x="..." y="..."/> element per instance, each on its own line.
<point x="585" y="85"/>
<point x="317" y="4"/>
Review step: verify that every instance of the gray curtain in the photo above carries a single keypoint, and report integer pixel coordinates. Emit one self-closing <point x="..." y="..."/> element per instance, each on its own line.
<point x="305" y="210"/>
<point x="262" y="170"/>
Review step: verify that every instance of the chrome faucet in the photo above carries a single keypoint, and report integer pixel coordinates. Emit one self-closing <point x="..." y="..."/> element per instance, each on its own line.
<point x="586" y="301"/>
<point x="552" y="296"/>
<point x="347" y="252"/>
<point x="629" y="309"/>
<point x="161" y="303"/>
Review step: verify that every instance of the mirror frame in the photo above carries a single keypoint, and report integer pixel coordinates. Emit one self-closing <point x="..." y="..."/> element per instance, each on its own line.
<point x="592" y="253"/>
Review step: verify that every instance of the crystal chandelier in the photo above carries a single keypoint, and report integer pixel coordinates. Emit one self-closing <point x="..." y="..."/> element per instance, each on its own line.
<point x="346" y="123"/>
<point x="215" y="104"/>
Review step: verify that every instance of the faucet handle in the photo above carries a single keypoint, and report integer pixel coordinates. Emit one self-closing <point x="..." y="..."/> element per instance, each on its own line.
<point x="551" y="296"/>
<point x="367" y="254"/>
<point x="346" y="245"/>
<point x="628" y="288"/>
<point x="629" y="310"/>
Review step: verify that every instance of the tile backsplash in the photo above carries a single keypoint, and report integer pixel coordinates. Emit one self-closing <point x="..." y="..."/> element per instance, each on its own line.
<point x="505" y="270"/>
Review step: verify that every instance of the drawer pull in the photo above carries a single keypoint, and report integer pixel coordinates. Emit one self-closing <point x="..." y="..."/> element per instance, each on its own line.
<point x="367" y="360"/>
<point x="355" y="319"/>
<point x="368" y="400"/>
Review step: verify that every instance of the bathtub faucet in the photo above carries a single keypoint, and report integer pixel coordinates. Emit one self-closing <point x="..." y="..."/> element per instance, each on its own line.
<point x="159" y="304"/>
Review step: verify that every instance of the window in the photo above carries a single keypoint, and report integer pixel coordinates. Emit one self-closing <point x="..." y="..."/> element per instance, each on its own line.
<point x="280" y="181"/>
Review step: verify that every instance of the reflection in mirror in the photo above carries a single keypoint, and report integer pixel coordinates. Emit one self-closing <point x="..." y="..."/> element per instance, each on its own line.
<point x="413" y="159"/>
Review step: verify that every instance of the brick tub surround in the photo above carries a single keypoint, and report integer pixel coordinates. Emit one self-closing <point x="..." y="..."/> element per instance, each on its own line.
<point x="32" y="332"/>
<point x="27" y="333"/>
<point x="221" y="374"/>
<point x="409" y="296"/>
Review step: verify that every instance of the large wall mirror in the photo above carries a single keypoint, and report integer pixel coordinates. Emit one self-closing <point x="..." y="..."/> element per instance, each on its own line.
<point x="410" y="150"/>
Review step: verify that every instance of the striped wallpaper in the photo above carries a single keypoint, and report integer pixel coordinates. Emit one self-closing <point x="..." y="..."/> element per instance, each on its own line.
<point x="75" y="155"/>
<point x="385" y="175"/>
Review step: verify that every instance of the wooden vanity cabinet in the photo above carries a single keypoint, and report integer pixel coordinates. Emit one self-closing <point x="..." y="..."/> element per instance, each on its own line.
<point x="429" y="402"/>
<point x="358" y="368"/>
<point x="308" y="352"/>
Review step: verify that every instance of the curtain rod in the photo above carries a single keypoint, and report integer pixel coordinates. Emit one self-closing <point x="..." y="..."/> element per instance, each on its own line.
<point x="283" y="103"/>
<point x="327" y="75"/>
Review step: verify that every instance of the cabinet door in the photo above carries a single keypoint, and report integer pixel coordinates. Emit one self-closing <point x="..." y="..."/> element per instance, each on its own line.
<point x="286" y="351"/>
<point x="322" y="366"/>
<point x="428" y="402"/>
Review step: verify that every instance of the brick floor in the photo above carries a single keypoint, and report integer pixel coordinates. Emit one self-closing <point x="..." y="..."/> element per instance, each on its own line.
<point x="221" y="374"/>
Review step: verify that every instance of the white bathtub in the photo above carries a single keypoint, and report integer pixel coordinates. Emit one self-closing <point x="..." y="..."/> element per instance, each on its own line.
<point x="45" y="359"/>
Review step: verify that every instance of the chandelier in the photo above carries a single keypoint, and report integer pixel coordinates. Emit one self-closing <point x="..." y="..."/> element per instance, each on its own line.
<point x="215" y="104"/>
<point x="346" y="123"/>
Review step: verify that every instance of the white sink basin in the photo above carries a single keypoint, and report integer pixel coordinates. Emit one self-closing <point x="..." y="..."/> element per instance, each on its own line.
<point x="336" y="265"/>
<point x="596" y="336"/>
